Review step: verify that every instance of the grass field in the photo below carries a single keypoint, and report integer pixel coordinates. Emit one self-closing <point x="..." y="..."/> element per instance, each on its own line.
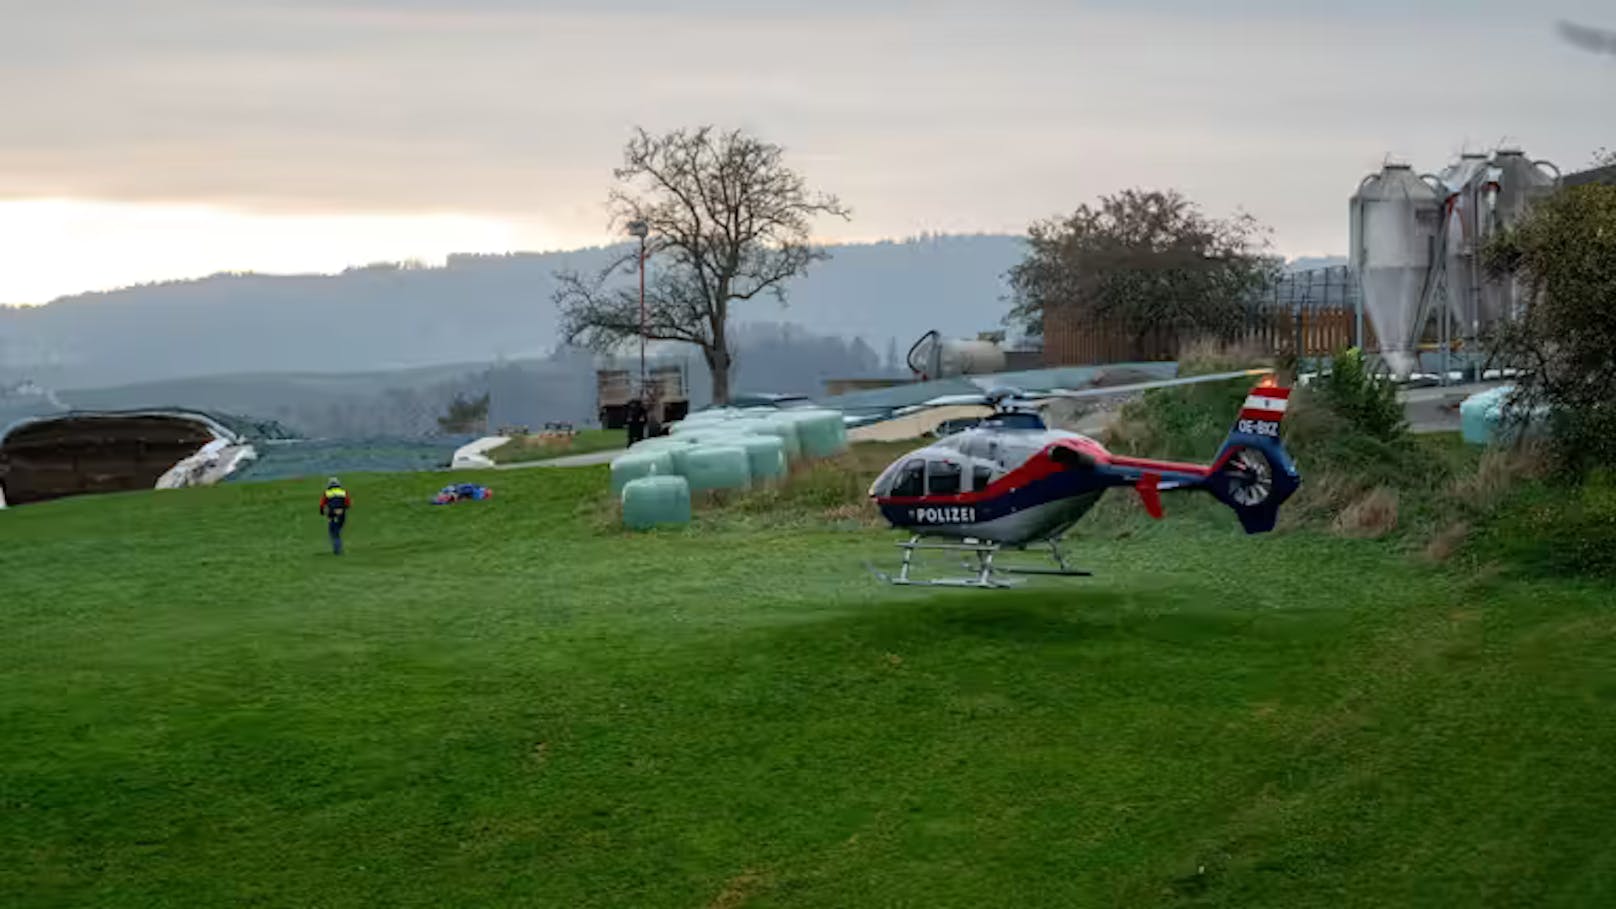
<point x="510" y="703"/>
<point x="522" y="449"/>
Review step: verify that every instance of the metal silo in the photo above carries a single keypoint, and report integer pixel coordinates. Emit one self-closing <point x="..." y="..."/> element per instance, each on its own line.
<point x="1395" y="220"/>
<point x="1521" y="182"/>
<point x="1518" y="183"/>
<point x="1466" y="209"/>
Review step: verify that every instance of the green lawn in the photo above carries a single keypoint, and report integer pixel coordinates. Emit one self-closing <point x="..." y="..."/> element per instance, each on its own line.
<point x="508" y="703"/>
<point x="531" y="448"/>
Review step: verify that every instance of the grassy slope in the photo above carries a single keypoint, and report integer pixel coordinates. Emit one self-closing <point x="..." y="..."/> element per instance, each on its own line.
<point x="585" y="441"/>
<point x="508" y="704"/>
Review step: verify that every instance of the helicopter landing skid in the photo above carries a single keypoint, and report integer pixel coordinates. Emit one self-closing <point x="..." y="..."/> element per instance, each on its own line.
<point x="986" y="575"/>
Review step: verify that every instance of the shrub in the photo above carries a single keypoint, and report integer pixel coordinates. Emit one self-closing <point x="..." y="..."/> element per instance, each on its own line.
<point x="1564" y="256"/>
<point x="1368" y="403"/>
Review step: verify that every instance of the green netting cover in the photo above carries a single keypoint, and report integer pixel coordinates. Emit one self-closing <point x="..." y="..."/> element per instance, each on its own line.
<point x="716" y="467"/>
<point x="636" y="464"/>
<point x="821" y="432"/>
<point x="650" y="501"/>
<point x="765" y="456"/>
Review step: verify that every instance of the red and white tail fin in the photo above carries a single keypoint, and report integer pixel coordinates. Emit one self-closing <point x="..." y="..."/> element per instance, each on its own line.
<point x="1263" y="411"/>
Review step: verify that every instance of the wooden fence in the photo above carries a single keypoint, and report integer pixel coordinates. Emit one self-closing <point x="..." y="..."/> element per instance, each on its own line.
<point x="1313" y="332"/>
<point x="1306" y="314"/>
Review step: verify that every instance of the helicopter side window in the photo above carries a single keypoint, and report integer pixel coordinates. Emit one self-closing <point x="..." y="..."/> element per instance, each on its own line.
<point x="943" y="478"/>
<point x="981" y="476"/>
<point x="911" y="481"/>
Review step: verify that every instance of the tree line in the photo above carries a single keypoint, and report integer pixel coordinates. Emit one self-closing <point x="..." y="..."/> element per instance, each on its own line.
<point x="726" y="221"/>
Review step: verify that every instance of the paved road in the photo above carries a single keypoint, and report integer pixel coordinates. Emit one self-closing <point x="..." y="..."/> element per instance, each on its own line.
<point x="1437" y="409"/>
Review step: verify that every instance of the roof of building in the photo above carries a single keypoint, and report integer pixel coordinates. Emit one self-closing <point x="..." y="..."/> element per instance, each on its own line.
<point x="1605" y="175"/>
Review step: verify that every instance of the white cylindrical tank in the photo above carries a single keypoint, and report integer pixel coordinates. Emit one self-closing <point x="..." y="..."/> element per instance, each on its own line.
<point x="1395" y="219"/>
<point x="933" y="357"/>
<point x="970" y="358"/>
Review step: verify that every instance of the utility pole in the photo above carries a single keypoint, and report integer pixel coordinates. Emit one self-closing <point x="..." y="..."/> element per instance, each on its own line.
<point x="640" y="229"/>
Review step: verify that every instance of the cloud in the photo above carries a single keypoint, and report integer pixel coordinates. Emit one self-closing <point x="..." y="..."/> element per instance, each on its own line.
<point x="920" y="115"/>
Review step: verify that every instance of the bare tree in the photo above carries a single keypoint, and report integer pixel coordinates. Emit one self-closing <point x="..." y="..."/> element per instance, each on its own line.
<point x="728" y="220"/>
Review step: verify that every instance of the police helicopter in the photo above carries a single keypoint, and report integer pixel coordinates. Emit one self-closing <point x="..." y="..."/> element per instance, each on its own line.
<point x="1011" y="482"/>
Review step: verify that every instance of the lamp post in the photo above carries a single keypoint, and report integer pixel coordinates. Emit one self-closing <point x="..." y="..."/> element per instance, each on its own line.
<point x="641" y="229"/>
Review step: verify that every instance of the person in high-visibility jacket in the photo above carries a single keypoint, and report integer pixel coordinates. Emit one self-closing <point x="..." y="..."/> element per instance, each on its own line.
<point x="334" y="505"/>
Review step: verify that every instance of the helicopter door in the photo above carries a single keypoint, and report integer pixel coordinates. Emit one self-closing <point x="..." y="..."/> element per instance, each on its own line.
<point x="981" y="476"/>
<point x="942" y="478"/>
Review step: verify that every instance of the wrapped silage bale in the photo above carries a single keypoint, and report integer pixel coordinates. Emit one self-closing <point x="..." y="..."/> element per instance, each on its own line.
<point x="741" y="426"/>
<point x="716" y="467"/>
<point x="698" y="421"/>
<point x="704" y="436"/>
<point x="659" y="443"/>
<point x="1479" y="415"/>
<point x="679" y="453"/>
<point x="782" y="428"/>
<point x="841" y="430"/>
<point x="714" y="415"/>
<point x="765" y="456"/>
<point x="651" y="501"/>
<point x="821" y="433"/>
<point x="633" y="465"/>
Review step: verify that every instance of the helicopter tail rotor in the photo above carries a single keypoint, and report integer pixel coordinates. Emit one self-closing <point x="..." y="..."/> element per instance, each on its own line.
<point x="1253" y="473"/>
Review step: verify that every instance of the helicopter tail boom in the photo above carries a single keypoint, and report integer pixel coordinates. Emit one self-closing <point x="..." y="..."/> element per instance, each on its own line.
<point x="1253" y="474"/>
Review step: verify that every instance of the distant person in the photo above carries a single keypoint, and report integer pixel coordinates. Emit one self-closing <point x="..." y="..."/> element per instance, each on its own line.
<point x="334" y="505"/>
<point x="635" y="420"/>
<point x="653" y="414"/>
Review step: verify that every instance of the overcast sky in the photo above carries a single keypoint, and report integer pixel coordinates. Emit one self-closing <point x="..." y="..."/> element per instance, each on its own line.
<point x="175" y="138"/>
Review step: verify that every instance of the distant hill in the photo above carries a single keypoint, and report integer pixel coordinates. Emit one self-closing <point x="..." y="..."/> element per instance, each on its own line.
<point x="473" y="310"/>
<point x="407" y="402"/>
